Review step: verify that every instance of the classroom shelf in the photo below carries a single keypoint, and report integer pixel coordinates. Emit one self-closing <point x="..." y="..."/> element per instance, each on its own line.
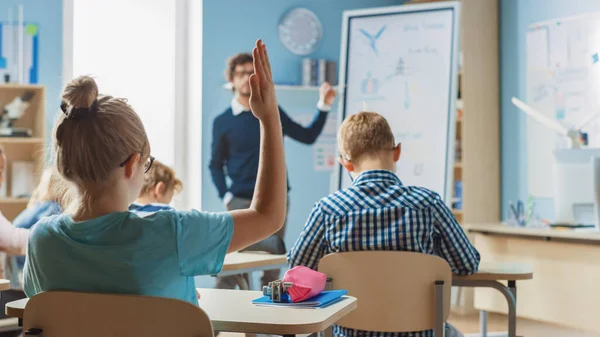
<point x="23" y="149"/>
<point x="14" y="200"/>
<point x="457" y="212"/>
<point x="21" y="140"/>
<point x="11" y="207"/>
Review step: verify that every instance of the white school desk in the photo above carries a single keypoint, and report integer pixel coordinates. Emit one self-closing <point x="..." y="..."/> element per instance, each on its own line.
<point x="248" y="262"/>
<point x="233" y="311"/>
<point x="566" y="265"/>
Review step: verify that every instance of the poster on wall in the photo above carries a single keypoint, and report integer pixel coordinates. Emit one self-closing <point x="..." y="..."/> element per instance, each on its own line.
<point x="9" y="52"/>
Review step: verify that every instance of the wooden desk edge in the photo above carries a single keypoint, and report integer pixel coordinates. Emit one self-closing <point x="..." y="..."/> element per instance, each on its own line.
<point x="253" y="264"/>
<point x="15" y="311"/>
<point x="291" y="329"/>
<point x="270" y="260"/>
<point x="494" y="277"/>
<point x="590" y="238"/>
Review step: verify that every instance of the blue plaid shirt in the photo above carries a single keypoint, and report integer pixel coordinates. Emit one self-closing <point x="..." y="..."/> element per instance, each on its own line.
<point x="380" y="213"/>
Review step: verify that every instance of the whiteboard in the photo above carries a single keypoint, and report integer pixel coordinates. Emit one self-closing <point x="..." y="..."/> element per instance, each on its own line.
<point x="563" y="83"/>
<point x="401" y="62"/>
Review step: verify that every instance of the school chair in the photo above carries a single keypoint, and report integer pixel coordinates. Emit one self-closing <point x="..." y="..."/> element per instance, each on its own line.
<point x="70" y="314"/>
<point x="8" y="326"/>
<point x="396" y="291"/>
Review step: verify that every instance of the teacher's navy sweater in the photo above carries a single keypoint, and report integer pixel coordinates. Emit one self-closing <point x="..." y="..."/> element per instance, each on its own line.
<point x="236" y="147"/>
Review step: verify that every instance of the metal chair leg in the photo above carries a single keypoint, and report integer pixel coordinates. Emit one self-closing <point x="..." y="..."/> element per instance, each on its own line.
<point x="439" y="309"/>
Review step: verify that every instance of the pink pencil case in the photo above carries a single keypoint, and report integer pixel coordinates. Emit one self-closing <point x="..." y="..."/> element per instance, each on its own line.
<point x="306" y="283"/>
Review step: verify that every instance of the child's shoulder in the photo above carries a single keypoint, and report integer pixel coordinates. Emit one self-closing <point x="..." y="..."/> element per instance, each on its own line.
<point x="48" y="224"/>
<point x="418" y="197"/>
<point x="187" y="217"/>
<point x="422" y="193"/>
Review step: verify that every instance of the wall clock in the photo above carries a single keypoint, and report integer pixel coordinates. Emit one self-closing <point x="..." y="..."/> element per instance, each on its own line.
<point x="300" y="31"/>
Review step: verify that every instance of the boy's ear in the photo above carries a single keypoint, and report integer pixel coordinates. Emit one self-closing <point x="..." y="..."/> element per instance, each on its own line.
<point x="397" y="151"/>
<point x="159" y="189"/>
<point x="346" y="164"/>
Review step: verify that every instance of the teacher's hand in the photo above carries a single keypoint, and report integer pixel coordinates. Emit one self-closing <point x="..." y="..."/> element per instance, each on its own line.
<point x="327" y="93"/>
<point x="262" y="90"/>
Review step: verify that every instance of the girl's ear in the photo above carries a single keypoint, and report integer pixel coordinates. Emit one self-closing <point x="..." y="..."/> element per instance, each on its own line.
<point x="131" y="165"/>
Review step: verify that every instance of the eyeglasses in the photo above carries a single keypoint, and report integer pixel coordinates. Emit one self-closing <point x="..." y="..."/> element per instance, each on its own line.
<point x="147" y="164"/>
<point x="344" y="157"/>
<point x="242" y="73"/>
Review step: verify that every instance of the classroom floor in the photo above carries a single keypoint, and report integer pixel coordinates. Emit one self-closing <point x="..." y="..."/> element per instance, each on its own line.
<point x="469" y="325"/>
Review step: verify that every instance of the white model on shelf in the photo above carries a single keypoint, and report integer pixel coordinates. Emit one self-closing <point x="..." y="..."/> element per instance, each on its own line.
<point x="575" y="134"/>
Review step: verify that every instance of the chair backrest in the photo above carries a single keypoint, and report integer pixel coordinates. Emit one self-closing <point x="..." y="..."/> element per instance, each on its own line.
<point x="395" y="290"/>
<point x="66" y="314"/>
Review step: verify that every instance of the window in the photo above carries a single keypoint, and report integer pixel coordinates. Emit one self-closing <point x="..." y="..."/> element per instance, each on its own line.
<point x="139" y="49"/>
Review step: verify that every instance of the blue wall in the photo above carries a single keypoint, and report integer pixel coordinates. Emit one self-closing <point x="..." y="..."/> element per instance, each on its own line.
<point x="232" y="26"/>
<point x="48" y="15"/>
<point x="515" y="17"/>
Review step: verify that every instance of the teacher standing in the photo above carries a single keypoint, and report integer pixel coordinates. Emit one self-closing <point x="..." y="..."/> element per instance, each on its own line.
<point x="235" y="153"/>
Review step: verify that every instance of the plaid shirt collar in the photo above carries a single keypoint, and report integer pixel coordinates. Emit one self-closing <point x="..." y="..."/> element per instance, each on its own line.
<point x="377" y="176"/>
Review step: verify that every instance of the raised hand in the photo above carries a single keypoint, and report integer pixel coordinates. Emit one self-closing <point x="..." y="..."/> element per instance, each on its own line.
<point x="327" y="93"/>
<point x="262" y="90"/>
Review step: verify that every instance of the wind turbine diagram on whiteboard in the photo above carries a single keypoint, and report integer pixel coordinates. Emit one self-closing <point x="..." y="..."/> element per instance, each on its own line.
<point x="373" y="38"/>
<point x="575" y="134"/>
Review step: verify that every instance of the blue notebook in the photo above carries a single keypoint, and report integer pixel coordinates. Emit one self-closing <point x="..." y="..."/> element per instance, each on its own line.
<point x="322" y="300"/>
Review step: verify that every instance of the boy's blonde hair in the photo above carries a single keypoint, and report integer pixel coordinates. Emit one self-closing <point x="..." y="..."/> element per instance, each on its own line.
<point x="161" y="173"/>
<point x="95" y="135"/>
<point x="364" y="134"/>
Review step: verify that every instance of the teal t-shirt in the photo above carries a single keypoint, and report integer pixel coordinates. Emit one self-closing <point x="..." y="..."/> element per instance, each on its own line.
<point x="122" y="253"/>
